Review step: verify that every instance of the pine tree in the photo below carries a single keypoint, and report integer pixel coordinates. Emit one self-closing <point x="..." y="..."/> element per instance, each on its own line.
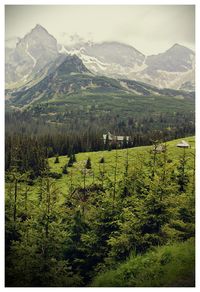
<point x="65" y="171"/>
<point x="102" y="160"/>
<point x="57" y="159"/>
<point x="125" y="144"/>
<point x="182" y="173"/>
<point x="71" y="161"/>
<point x="88" y="163"/>
<point x="125" y="179"/>
<point x="74" y="157"/>
<point x="36" y="260"/>
<point x="107" y="144"/>
<point x="102" y="170"/>
<point x="115" y="176"/>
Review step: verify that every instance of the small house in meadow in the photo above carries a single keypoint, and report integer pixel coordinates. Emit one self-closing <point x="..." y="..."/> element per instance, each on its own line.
<point x="159" y="148"/>
<point x="112" y="138"/>
<point x="183" y="144"/>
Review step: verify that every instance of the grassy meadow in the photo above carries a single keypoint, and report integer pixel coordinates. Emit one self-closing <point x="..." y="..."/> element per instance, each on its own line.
<point x="136" y="157"/>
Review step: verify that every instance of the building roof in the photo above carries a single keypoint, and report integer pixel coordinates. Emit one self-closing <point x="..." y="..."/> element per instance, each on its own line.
<point x="183" y="143"/>
<point x="159" y="148"/>
<point x="113" y="137"/>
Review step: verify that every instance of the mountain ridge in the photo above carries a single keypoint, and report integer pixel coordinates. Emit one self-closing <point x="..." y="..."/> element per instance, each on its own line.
<point x="71" y="77"/>
<point x="157" y="70"/>
<point x="173" y="68"/>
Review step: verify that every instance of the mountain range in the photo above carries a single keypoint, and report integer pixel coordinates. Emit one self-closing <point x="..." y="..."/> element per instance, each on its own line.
<point x="38" y="55"/>
<point x="71" y="77"/>
<point x="52" y="89"/>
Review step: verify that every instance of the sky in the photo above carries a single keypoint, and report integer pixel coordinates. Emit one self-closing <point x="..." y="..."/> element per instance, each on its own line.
<point x="151" y="29"/>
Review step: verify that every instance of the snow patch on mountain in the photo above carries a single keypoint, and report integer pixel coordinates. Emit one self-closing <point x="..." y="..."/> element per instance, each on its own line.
<point x="174" y="68"/>
<point x="169" y="69"/>
<point x="29" y="54"/>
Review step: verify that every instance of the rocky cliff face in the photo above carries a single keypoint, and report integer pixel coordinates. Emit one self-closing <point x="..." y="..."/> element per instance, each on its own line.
<point x="172" y="68"/>
<point x="33" y="54"/>
<point x="30" y="55"/>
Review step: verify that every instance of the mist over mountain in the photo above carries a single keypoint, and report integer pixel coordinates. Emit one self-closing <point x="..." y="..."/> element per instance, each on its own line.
<point x="173" y="68"/>
<point x="176" y="59"/>
<point x="31" y="54"/>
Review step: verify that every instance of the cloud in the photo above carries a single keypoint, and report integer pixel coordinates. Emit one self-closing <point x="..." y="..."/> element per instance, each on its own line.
<point x="149" y="28"/>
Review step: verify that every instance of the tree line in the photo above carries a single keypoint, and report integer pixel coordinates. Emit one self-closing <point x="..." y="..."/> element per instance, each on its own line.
<point x="30" y="141"/>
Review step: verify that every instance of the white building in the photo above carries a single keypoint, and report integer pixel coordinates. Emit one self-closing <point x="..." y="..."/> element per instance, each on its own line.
<point x="183" y="144"/>
<point x="113" y="138"/>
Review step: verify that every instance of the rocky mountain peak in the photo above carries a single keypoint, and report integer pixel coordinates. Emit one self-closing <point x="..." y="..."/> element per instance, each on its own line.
<point x="32" y="53"/>
<point x="179" y="48"/>
<point x="38" y="48"/>
<point x="38" y="31"/>
<point x="72" y="64"/>
<point x="176" y="59"/>
<point x="39" y="27"/>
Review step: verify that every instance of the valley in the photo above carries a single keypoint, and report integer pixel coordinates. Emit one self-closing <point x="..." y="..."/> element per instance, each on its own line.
<point x="83" y="209"/>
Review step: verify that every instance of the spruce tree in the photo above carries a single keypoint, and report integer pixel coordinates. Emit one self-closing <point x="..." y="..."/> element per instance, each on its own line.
<point x="71" y="161"/>
<point x="182" y="176"/>
<point x="65" y="171"/>
<point x="57" y="159"/>
<point x="74" y="157"/>
<point x="102" y="160"/>
<point x="88" y="163"/>
<point x="107" y="144"/>
<point x="125" y="144"/>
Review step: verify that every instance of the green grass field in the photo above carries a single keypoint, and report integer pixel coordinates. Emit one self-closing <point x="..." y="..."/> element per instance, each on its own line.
<point x="167" y="266"/>
<point x="137" y="156"/>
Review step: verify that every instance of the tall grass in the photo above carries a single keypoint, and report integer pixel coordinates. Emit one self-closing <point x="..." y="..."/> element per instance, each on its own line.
<point x="167" y="266"/>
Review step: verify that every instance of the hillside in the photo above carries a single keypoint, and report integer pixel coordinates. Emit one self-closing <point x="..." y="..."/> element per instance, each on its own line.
<point x="69" y="77"/>
<point x="63" y="95"/>
<point x="31" y="54"/>
<point x="168" y="266"/>
<point x="173" y="68"/>
<point x="100" y="151"/>
<point x="77" y="220"/>
<point x="73" y="99"/>
<point x="136" y="154"/>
